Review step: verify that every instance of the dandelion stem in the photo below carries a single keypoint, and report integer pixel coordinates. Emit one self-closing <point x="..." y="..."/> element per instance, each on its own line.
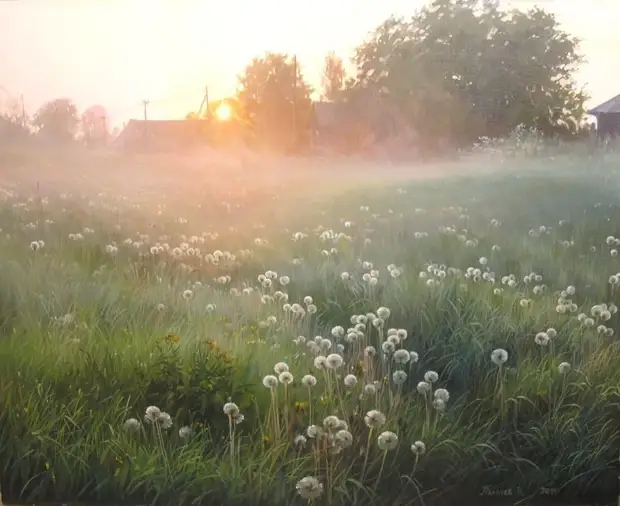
<point x="381" y="469"/>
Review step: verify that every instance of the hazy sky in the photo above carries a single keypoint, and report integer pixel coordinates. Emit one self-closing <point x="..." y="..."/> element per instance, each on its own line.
<point x="120" y="52"/>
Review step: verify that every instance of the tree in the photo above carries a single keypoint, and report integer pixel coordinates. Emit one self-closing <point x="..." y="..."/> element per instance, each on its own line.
<point x="275" y="100"/>
<point x="334" y="76"/>
<point x="57" y="119"/>
<point x="13" y="121"/>
<point x="461" y="69"/>
<point x="94" y="125"/>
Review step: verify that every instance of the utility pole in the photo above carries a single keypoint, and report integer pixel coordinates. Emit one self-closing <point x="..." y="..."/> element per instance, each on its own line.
<point x="21" y="98"/>
<point x="145" y="102"/>
<point x="295" y="101"/>
<point x="207" y="100"/>
<point x="105" y="130"/>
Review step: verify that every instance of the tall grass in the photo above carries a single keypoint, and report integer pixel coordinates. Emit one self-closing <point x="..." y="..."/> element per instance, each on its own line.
<point x="387" y="345"/>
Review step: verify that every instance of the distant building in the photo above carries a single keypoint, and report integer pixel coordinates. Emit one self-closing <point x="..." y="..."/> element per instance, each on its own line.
<point x="607" y="117"/>
<point x="162" y="135"/>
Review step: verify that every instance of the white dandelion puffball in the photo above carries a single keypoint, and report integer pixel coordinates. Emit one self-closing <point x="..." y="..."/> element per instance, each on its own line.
<point x="387" y="441"/>
<point x="344" y="438"/>
<point x="309" y="488"/>
<point x="439" y="405"/>
<point x="131" y="425"/>
<point x="443" y="394"/>
<point x="280" y="367"/>
<point x="152" y="414"/>
<point x="300" y="441"/>
<point x="401" y="356"/>
<point x="350" y="380"/>
<point x="431" y="377"/>
<point x="320" y="362"/>
<point x="308" y="381"/>
<point x="286" y="378"/>
<point x="499" y="356"/>
<point x="165" y="420"/>
<point x="374" y="419"/>
<point x="564" y="368"/>
<point x="334" y="361"/>
<point x="188" y="294"/>
<point x="383" y="313"/>
<point x="186" y="432"/>
<point x="418" y="448"/>
<point x="331" y="422"/>
<point x="231" y="409"/>
<point x="541" y="339"/>
<point x="399" y="377"/>
<point x="370" y="389"/>
<point x="314" y="432"/>
<point x="424" y="387"/>
<point x="270" y="381"/>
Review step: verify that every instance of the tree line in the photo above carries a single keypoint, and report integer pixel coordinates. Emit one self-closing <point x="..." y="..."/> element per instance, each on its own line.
<point x="453" y="72"/>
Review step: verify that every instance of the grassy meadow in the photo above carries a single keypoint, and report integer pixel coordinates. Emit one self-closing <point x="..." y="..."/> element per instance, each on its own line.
<point x="238" y="343"/>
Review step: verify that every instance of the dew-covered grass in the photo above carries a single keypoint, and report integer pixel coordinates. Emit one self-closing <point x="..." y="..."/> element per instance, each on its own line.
<point x="398" y="343"/>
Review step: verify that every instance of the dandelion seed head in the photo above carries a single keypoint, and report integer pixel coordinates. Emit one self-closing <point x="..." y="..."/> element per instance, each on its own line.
<point x="374" y="419"/>
<point x="418" y="448"/>
<point x="499" y="356"/>
<point x="309" y="488"/>
<point x="270" y="381"/>
<point x="387" y="441"/>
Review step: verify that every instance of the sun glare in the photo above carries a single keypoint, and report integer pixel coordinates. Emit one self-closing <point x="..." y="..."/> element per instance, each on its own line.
<point x="223" y="112"/>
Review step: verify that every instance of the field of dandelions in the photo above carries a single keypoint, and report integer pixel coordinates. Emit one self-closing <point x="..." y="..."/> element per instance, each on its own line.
<point x="399" y="344"/>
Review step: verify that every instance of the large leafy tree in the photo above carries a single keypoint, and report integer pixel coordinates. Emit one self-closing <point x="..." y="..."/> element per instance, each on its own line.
<point x="94" y="124"/>
<point x="57" y="120"/>
<point x="275" y="100"/>
<point x="333" y="78"/>
<point x="460" y="69"/>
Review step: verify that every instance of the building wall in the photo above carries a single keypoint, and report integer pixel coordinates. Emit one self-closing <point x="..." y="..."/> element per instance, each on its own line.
<point x="608" y="125"/>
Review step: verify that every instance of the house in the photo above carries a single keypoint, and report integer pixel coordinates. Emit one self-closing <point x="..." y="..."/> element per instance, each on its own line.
<point x="162" y="135"/>
<point x="607" y="117"/>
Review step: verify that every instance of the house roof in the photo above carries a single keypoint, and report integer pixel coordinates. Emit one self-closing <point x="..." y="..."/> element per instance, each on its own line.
<point x="168" y="131"/>
<point x="612" y="106"/>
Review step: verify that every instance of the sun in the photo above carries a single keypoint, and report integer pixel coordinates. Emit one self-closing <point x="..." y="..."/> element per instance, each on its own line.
<point x="223" y="112"/>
